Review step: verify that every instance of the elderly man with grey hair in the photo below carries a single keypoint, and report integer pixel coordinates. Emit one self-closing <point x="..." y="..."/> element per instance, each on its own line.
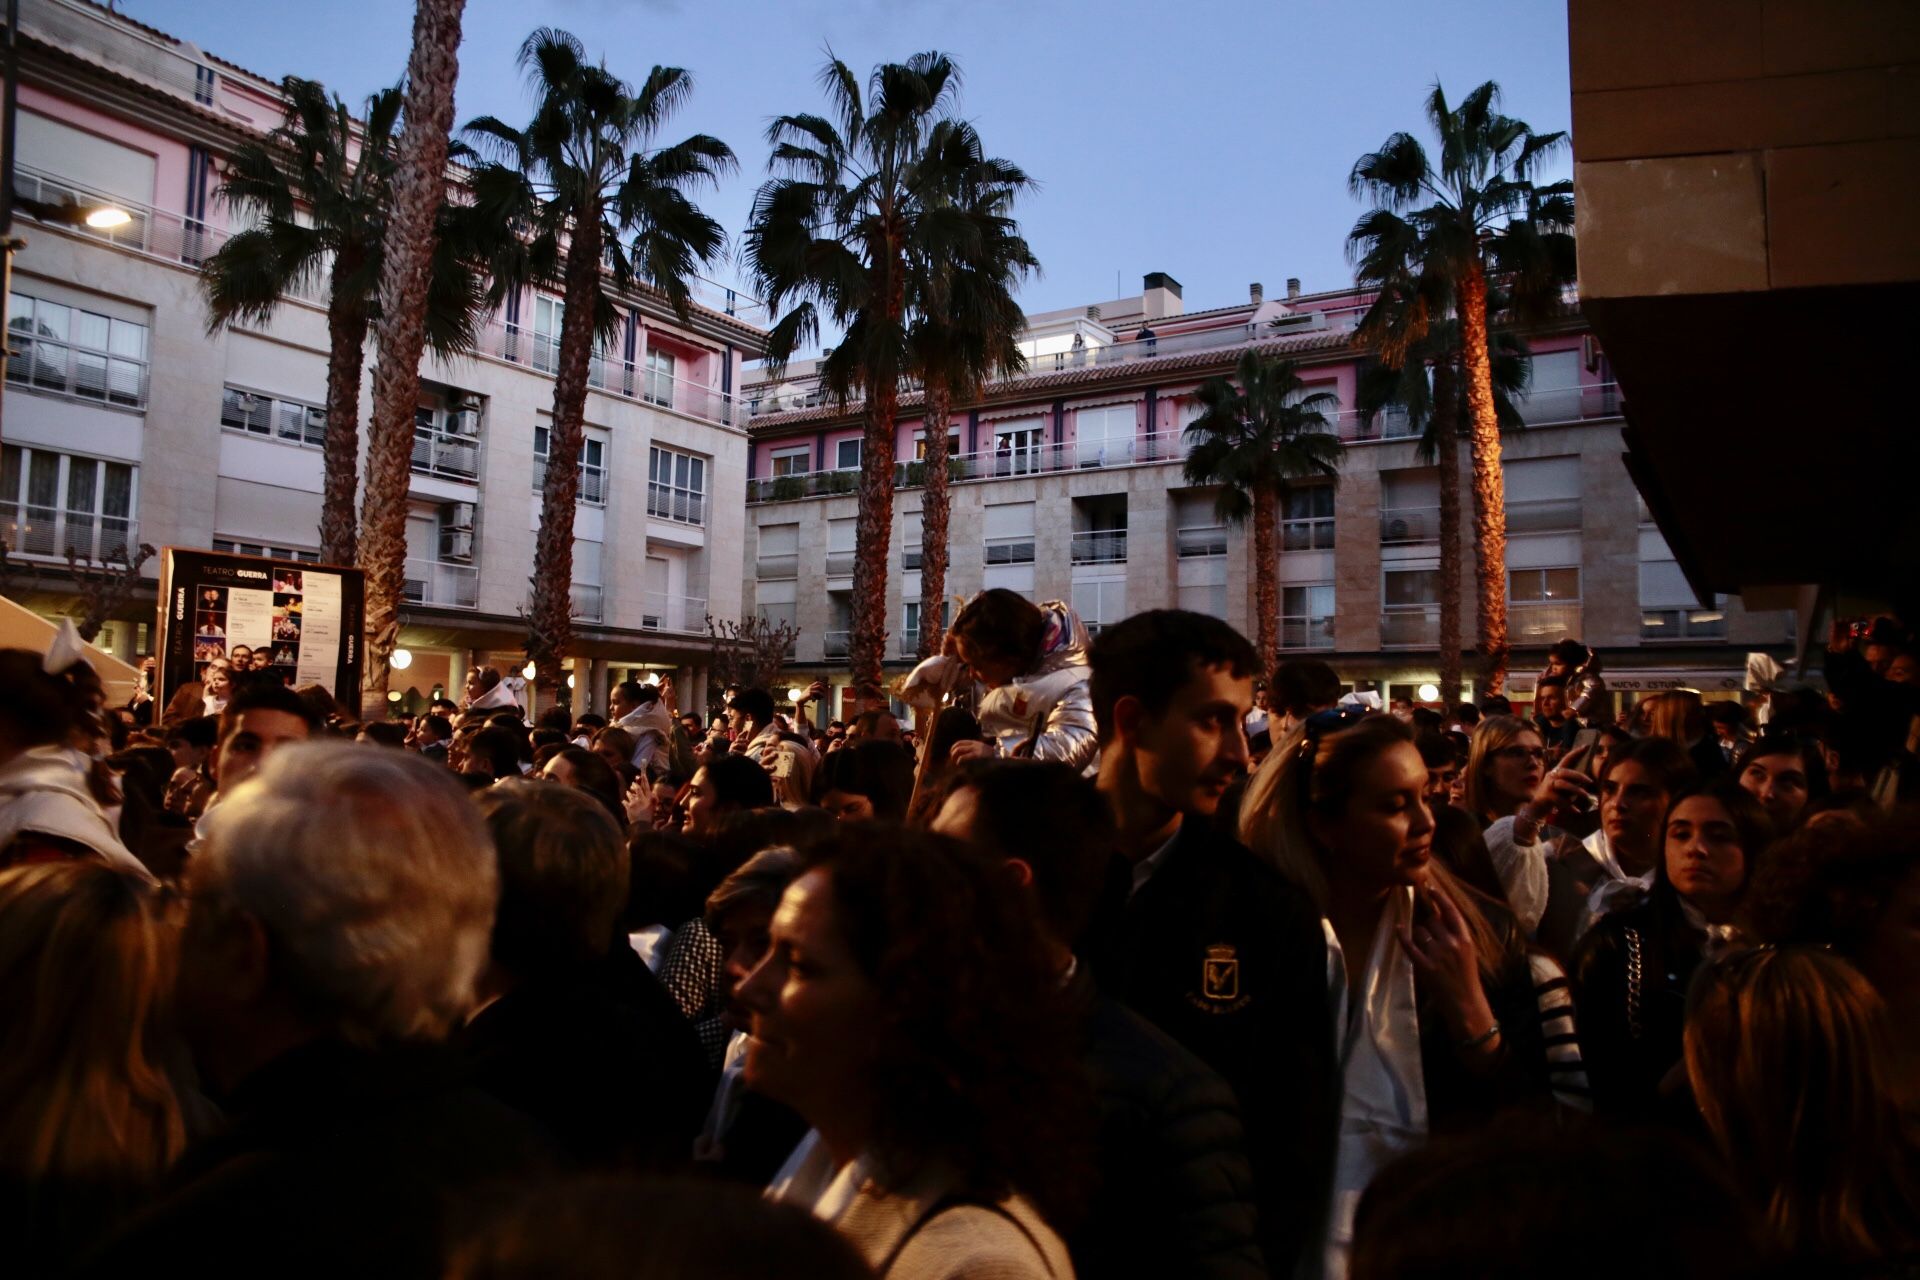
<point x="338" y="913"/>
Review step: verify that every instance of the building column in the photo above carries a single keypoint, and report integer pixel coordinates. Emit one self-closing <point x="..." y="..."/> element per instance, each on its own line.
<point x="599" y="682"/>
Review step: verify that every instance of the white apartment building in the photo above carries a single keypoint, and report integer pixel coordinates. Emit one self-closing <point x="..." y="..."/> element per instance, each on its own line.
<point x="126" y="421"/>
<point x="1068" y="485"/>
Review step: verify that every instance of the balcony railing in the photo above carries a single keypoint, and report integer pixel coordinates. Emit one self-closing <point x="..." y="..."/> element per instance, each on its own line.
<point x="435" y="582"/>
<point x="1542" y="622"/>
<point x="50" y="532"/>
<point x="1544" y="515"/>
<point x="1100" y="546"/>
<point x="1402" y="525"/>
<point x="910" y="643"/>
<point x="1200" y="540"/>
<point x="450" y="456"/>
<point x="684" y="615"/>
<point x="1017" y="549"/>
<point x="835" y="644"/>
<point x="669" y="503"/>
<point x="589" y="601"/>
<point x="1306" y="633"/>
<point x="1411" y="627"/>
<point x="628" y="379"/>
<point x="49" y="365"/>
<point x="593" y="482"/>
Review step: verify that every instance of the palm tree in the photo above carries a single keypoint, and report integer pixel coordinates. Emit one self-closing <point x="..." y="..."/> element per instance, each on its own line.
<point x="317" y="190"/>
<point x="1479" y="215"/>
<point x="599" y="208"/>
<point x="836" y="231"/>
<point x="966" y="329"/>
<point x="411" y="244"/>
<point x="1420" y="375"/>
<point x="1252" y="440"/>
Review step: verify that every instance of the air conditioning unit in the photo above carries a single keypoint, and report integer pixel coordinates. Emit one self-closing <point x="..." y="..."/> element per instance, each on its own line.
<point x="456" y="544"/>
<point x="464" y="422"/>
<point x="457" y="515"/>
<point x="1398" y="530"/>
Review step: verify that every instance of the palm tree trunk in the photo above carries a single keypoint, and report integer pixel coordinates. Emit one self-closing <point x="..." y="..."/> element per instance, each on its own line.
<point x="1266" y="575"/>
<point x="934" y="510"/>
<point x="550" y="613"/>
<point x="1489" y="483"/>
<point x="419" y="182"/>
<point x="1446" y="449"/>
<point x="347" y="324"/>
<point x="873" y="536"/>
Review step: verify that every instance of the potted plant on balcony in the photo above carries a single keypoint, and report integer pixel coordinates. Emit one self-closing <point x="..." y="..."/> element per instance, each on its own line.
<point x="786" y="488"/>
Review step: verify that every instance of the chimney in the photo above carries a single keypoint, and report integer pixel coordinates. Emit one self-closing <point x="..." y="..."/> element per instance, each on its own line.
<point x="1160" y="296"/>
<point x="1256" y="294"/>
<point x="1093" y="313"/>
<point x="1293" y="287"/>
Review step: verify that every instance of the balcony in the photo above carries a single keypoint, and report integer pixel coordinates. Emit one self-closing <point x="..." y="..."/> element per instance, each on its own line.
<point x="589" y="601"/>
<point x="1544" y="515"/>
<point x="669" y="503"/>
<point x="443" y="585"/>
<point x="64" y="370"/>
<point x="627" y="379"/>
<point x="1200" y="540"/>
<point x="1413" y="627"/>
<point x="451" y="457"/>
<point x="1542" y="622"/>
<point x="1401" y="526"/>
<point x="682" y="615"/>
<point x="1306" y="633"/>
<point x="835" y="644"/>
<point x="49" y="533"/>
<point x="1100" y="546"/>
<point x="1017" y="549"/>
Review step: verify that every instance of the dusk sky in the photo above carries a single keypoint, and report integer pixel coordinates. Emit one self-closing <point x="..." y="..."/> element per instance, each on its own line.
<point x="1210" y="141"/>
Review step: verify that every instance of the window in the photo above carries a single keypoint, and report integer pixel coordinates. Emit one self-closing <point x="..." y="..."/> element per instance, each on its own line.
<point x="1410" y="608"/>
<point x="910" y="628"/>
<point x="660" y="377"/>
<point x="779" y="552"/>
<point x="1103" y="437"/>
<point x="1016" y="447"/>
<point x="1307" y="518"/>
<point x="1100" y="602"/>
<point x="1197" y="528"/>
<point x="548" y="315"/>
<point x="920" y="445"/>
<point x="841" y="541"/>
<point x="1008" y="527"/>
<point x="51" y="503"/>
<point x="676" y="486"/>
<point x="593" y="466"/>
<point x="1409" y="506"/>
<point x="1544" y="604"/>
<point x="1410" y="588"/>
<point x="1529" y="586"/>
<point x="1670" y="611"/>
<point x="278" y="419"/>
<point x="72" y="351"/>
<point x="847" y="454"/>
<point x="1543" y="495"/>
<point x="234" y="548"/>
<point x="1306" y="617"/>
<point x="791" y="461"/>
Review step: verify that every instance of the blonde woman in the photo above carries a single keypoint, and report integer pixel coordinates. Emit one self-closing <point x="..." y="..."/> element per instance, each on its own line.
<point x="1437" y="1022"/>
<point x="89" y="1118"/>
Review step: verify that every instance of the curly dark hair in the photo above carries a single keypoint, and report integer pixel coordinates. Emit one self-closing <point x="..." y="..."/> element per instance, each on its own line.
<point x="975" y="1066"/>
<point x="1830" y="882"/>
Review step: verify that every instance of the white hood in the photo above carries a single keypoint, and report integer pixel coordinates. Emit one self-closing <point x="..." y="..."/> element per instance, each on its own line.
<point x="45" y="791"/>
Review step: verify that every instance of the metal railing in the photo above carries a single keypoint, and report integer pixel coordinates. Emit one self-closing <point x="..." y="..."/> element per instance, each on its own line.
<point x="593" y="481"/>
<point x="126" y="50"/>
<point x="46" y="364"/>
<point x="835" y="644"/>
<point x="1306" y="633"/>
<point x="1544" y="515"/>
<point x="686" y="615"/>
<point x="1017" y="549"/>
<point x="157" y="233"/>
<point x="589" y="601"/>
<point x="435" y="582"/>
<point x="1402" y="525"/>
<point x="628" y="379"/>
<point x="670" y="503"/>
<point x="1412" y="627"/>
<point x="1100" y="546"/>
<point x="910" y="643"/>
<point x="453" y="457"/>
<point x="30" y="530"/>
<point x="1200" y="540"/>
<point x="1542" y="622"/>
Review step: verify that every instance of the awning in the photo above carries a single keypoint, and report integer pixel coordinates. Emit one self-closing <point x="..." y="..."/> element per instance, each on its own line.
<point x="22" y="628"/>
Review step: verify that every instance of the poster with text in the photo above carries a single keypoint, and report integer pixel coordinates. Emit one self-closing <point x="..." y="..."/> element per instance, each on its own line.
<point x="261" y="620"/>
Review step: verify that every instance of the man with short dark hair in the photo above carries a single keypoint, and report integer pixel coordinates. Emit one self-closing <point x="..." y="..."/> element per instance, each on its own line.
<point x="1302" y="686"/>
<point x="257" y="722"/>
<point x="1213" y="946"/>
<point x="786" y="757"/>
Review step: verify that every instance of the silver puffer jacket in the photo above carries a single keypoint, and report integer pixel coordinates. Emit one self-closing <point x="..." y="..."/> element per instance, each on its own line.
<point x="1056" y="687"/>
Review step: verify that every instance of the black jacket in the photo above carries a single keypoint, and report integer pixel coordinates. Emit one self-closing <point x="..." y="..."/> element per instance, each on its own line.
<point x="1175" y="1196"/>
<point x="1224" y="955"/>
<point x="1630" y="976"/>
<point x="336" y="1162"/>
<point x="619" y="1088"/>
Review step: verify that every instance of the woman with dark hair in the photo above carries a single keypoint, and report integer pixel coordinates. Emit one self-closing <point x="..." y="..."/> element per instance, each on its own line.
<point x="1631" y="970"/>
<point x="1435" y="1005"/>
<point x="1787" y="1052"/>
<point x="867" y="780"/>
<point x="909" y="1009"/>
<point x="581" y="769"/>
<point x="728" y="784"/>
<point x="1784" y="775"/>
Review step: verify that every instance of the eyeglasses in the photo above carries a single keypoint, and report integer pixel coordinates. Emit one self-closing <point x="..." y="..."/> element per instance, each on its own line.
<point x="1522" y="753"/>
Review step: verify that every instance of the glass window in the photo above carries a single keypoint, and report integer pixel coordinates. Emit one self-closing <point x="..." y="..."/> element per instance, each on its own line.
<point x="791" y="462"/>
<point x="1525" y="586"/>
<point x="1306" y="617"/>
<point x="676" y="486"/>
<point x="847" y="454"/>
<point x="660" y="377"/>
<point x="1411" y="587"/>
<point x="51" y="503"/>
<point x="920" y="445"/>
<point x="75" y="352"/>
<point x="1307" y="518"/>
<point x="288" y="420"/>
<point x="593" y="471"/>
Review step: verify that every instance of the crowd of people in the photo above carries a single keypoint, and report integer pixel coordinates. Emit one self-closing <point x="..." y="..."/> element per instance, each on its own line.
<point x="1127" y="958"/>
